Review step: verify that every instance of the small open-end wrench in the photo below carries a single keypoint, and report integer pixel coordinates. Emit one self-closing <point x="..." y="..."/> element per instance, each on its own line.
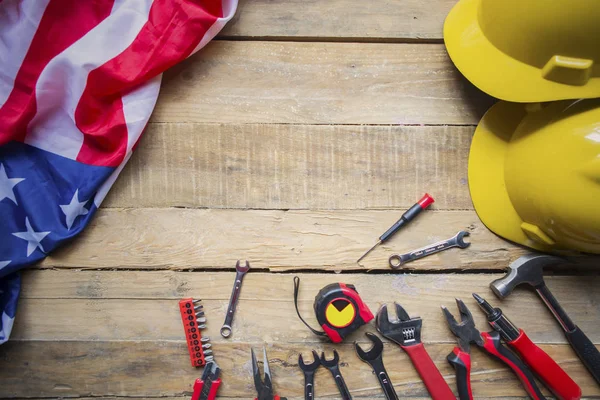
<point x="235" y="296"/>
<point x="334" y="368"/>
<point x="374" y="358"/>
<point x="309" y="375"/>
<point x="397" y="260"/>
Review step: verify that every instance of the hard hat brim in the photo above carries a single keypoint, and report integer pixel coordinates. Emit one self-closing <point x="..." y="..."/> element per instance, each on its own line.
<point x="495" y="72"/>
<point x="486" y="173"/>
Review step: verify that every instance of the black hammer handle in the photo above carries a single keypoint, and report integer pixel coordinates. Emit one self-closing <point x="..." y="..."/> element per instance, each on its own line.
<point x="586" y="350"/>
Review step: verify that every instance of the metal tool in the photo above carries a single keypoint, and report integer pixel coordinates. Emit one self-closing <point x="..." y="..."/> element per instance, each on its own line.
<point x="529" y="269"/>
<point x="309" y="375"/>
<point x="490" y="342"/>
<point x="406" y="332"/>
<point x="235" y="296"/>
<point x="338" y="308"/>
<point x="206" y="388"/>
<point x="397" y="260"/>
<point x="549" y="372"/>
<point x="264" y="388"/>
<point x="193" y="319"/>
<point x="334" y="368"/>
<point x="408" y="216"/>
<point x="374" y="358"/>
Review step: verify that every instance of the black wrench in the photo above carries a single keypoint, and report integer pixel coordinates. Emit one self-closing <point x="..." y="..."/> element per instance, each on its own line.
<point x="309" y="375"/>
<point x="235" y="296"/>
<point x="334" y="368"/>
<point x="374" y="358"/>
<point x="396" y="260"/>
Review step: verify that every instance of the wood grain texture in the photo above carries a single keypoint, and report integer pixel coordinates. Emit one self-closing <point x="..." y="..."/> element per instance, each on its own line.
<point x="143" y="305"/>
<point x="319" y="83"/>
<point x="339" y="20"/>
<point x="278" y="240"/>
<point x="162" y="369"/>
<point x="295" y="167"/>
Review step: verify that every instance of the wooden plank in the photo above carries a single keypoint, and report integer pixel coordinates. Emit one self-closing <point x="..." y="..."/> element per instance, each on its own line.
<point x="339" y="20"/>
<point x="319" y="83"/>
<point x="296" y="167"/>
<point x="278" y="240"/>
<point x="162" y="369"/>
<point x="136" y="305"/>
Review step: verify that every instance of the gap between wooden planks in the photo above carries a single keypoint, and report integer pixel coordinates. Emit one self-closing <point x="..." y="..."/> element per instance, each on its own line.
<point x="142" y="305"/>
<point x="279" y="166"/>
<point x="118" y="333"/>
<point x="278" y="240"/>
<point x="339" y="20"/>
<point x="319" y="83"/>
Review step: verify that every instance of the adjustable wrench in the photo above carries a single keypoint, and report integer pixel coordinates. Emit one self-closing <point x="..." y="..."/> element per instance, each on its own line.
<point x="397" y="260"/>
<point x="235" y="296"/>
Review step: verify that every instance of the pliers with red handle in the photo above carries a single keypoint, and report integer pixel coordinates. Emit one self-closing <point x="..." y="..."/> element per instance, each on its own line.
<point x="406" y="332"/>
<point x="489" y="342"/>
<point x="206" y="388"/>
<point x="549" y="372"/>
<point x="264" y="389"/>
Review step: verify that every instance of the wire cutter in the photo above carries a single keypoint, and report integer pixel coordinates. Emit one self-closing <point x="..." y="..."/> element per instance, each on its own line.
<point x="264" y="388"/>
<point x="205" y="388"/>
<point x="489" y="342"/>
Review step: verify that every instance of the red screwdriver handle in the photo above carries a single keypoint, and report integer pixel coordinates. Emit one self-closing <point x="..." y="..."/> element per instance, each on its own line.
<point x="553" y="376"/>
<point x="431" y="376"/>
<point x="461" y="362"/>
<point x="492" y="344"/>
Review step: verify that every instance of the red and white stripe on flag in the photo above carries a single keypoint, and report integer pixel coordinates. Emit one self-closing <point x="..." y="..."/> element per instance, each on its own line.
<point x="80" y="78"/>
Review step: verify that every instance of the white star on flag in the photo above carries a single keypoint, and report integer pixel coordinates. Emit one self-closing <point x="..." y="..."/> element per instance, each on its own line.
<point x="7" y="184"/>
<point x="74" y="209"/>
<point x="4" y="264"/>
<point x="33" y="238"/>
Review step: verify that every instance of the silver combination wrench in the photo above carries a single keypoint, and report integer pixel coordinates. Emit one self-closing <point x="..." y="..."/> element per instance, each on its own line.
<point x="235" y="296"/>
<point x="397" y="260"/>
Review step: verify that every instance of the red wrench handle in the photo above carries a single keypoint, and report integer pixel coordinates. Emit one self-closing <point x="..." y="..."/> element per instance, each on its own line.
<point x="461" y="362"/>
<point x="431" y="376"/>
<point x="553" y="376"/>
<point x="492" y="345"/>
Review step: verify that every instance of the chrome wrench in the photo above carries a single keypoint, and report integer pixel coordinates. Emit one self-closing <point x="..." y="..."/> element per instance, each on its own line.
<point x="235" y="296"/>
<point x="397" y="260"/>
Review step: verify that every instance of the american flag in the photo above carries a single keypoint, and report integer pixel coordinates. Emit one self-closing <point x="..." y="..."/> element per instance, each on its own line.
<point x="78" y="82"/>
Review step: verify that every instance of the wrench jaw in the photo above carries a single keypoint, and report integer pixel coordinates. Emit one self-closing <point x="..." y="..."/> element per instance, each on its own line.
<point x="460" y="239"/>
<point x="243" y="269"/>
<point x="330" y="363"/>
<point x="374" y="353"/>
<point x="309" y="367"/>
<point x="405" y="332"/>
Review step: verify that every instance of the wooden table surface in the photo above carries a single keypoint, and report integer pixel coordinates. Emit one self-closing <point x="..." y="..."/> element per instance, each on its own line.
<point x="293" y="141"/>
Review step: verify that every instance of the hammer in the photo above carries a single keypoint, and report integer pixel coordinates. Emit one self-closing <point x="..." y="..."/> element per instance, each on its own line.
<point x="529" y="269"/>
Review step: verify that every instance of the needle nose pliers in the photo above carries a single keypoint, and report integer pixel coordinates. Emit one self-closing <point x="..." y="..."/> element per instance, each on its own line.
<point x="264" y="388"/>
<point x="489" y="342"/>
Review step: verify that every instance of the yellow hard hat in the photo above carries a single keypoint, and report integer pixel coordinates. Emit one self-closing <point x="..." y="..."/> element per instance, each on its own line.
<point x="527" y="50"/>
<point x="534" y="174"/>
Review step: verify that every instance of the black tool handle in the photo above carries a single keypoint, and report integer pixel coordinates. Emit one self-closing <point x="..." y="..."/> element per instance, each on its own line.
<point x="341" y="384"/>
<point x="461" y="361"/>
<point x="586" y="350"/>
<point x="384" y="379"/>
<point x="309" y="385"/>
<point x="492" y="345"/>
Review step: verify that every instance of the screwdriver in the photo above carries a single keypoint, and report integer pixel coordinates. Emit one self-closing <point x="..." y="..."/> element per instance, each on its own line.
<point x="408" y="216"/>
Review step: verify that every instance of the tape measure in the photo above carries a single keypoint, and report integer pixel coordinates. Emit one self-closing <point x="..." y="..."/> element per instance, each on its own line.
<point x="339" y="310"/>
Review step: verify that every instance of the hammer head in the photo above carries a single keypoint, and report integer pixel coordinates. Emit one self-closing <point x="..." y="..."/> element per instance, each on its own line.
<point x="527" y="269"/>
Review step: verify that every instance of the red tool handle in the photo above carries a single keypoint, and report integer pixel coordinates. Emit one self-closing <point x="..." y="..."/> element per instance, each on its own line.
<point x="212" y="392"/>
<point x="431" y="376"/>
<point x="492" y="344"/>
<point x="546" y="368"/>
<point x="461" y="362"/>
